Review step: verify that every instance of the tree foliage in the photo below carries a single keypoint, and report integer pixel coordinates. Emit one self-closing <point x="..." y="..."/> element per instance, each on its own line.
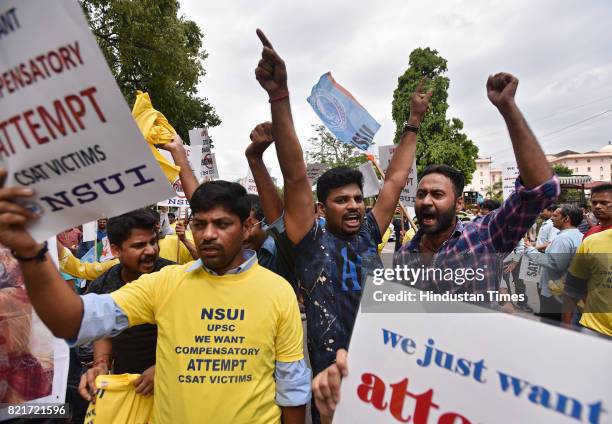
<point x="325" y="148"/>
<point x="440" y="140"/>
<point x="149" y="47"/>
<point x="562" y="170"/>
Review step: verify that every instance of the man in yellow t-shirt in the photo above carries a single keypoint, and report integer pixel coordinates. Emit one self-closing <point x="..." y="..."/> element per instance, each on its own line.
<point x="590" y="274"/>
<point x="229" y="344"/>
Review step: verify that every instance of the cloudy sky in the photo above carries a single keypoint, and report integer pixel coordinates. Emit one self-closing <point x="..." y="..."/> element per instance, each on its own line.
<point x="559" y="50"/>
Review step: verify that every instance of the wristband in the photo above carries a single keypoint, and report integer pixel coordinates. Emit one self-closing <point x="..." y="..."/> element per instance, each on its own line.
<point x="277" y="98"/>
<point x="39" y="256"/>
<point x="410" y="128"/>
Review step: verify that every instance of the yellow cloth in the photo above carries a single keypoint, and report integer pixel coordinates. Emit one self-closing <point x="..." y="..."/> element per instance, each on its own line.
<point x="410" y="233"/>
<point x="385" y="239"/>
<point x="168" y="249"/>
<point x="593" y="262"/>
<point x="218" y="338"/>
<point x="156" y="129"/>
<point x="118" y="403"/>
<point x="71" y="265"/>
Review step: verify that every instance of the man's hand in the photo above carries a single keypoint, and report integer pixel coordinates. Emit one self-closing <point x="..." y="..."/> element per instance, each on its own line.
<point x="326" y="385"/>
<point x="14" y="219"/>
<point x="87" y="386"/>
<point x="271" y="72"/>
<point x="261" y="138"/>
<point x="180" y="230"/>
<point x="501" y="89"/>
<point x="510" y="267"/>
<point x="419" y="103"/>
<point x="144" y="384"/>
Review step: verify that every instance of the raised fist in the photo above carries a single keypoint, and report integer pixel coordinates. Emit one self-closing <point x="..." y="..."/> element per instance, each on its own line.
<point x="261" y="138"/>
<point x="501" y="89"/>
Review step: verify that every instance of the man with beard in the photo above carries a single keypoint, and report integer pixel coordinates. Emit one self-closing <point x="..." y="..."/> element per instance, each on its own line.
<point x="133" y="240"/>
<point x="452" y="244"/>
<point x="229" y="344"/>
<point x="601" y="205"/>
<point x="332" y="261"/>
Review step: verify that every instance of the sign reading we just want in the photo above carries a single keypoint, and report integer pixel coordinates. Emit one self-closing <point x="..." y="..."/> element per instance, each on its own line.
<point x="65" y="129"/>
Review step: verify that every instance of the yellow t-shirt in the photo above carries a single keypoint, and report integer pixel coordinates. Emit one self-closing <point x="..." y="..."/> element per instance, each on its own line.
<point x="218" y="338"/>
<point x="593" y="262"/>
<point x="168" y="249"/>
<point x="118" y="403"/>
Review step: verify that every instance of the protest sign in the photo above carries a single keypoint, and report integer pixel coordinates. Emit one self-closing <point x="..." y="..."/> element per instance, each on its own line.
<point x="510" y="173"/>
<point x="469" y="367"/>
<point x="408" y="194"/>
<point x="179" y="200"/>
<point x="67" y="131"/>
<point x="90" y="230"/>
<point x="315" y="170"/>
<point x="530" y="271"/>
<point x="342" y="114"/>
<point x="371" y="184"/>
<point x="33" y="364"/>
<point x="248" y="182"/>
<point x="208" y="170"/>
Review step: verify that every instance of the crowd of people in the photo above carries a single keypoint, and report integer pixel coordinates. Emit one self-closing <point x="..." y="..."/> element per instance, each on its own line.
<point x="211" y="310"/>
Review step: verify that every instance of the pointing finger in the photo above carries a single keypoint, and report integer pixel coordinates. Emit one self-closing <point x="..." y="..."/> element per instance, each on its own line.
<point x="420" y="87"/>
<point x="264" y="40"/>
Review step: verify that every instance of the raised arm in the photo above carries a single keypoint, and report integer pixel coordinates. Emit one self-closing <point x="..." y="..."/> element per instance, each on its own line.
<point x="54" y="301"/>
<point x="399" y="168"/>
<point x="179" y="155"/>
<point x="271" y="203"/>
<point x="271" y="74"/>
<point x="533" y="166"/>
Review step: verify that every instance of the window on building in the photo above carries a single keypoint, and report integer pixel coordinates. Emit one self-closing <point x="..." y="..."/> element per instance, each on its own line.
<point x="589" y="169"/>
<point x="588" y="160"/>
<point x="481" y="173"/>
<point x="601" y="177"/>
<point x="575" y="169"/>
<point x="576" y="160"/>
<point x="481" y="182"/>
<point x="601" y="168"/>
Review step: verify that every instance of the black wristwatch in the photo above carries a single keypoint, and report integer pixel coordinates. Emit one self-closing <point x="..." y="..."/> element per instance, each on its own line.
<point x="39" y="257"/>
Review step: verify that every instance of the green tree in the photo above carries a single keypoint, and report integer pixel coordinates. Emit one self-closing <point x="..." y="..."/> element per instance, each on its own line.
<point x="149" y="47"/>
<point x="440" y="140"/>
<point x="562" y="170"/>
<point x="495" y="192"/>
<point x="325" y="148"/>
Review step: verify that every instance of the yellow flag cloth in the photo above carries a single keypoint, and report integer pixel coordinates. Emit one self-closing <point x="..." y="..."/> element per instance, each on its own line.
<point x="156" y="129"/>
<point x="118" y="403"/>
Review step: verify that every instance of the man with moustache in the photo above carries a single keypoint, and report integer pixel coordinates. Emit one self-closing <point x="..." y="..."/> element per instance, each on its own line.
<point x="133" y="240"/>
<point x="601" y="205"/>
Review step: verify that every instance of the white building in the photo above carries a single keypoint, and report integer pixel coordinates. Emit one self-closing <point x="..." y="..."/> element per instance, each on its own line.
<point x="597" y="165"/>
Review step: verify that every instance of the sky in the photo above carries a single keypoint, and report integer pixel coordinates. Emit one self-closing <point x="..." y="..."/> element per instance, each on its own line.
<point x="559" y="50"/>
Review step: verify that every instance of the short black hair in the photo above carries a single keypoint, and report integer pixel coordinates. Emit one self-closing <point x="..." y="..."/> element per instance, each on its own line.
<point x="256" y="206"/>
<point x="171" y="215"/>
<point x="602" y="188"/>
<point x="449" y="172"/>
<point x="335" y="178"/>
<point x="574" y="213"/>
<point x="232" y="196"/>
<point x="490" y="205"/>
<point x="119" y="227"/>
<point x="583" y="205"/>
<point x="551" y="208"/>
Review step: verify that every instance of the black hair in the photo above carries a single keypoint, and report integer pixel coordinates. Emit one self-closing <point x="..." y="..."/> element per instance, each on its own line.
<point x="232" y="196"/>
<point x="583" y="205"/>
<point x="490" y="205"/>
<point x="155" y="214"/>
<point x="171" y="215"/>
<point x="335" y="178"/>
<point x="573" y="212"/>
<point x="551" y="208"/>
<point x="256" y="206"/>
<point x="119" y="227"/>
<point x="602" y="188"/>
<point x="449" y="172"/>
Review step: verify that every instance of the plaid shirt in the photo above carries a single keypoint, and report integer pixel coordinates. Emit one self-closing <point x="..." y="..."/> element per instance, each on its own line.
<point x="481" y="244"/>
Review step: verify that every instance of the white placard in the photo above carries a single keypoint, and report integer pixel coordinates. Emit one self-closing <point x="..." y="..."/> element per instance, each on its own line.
<point x="90" y="231"/>
<point x="510" y="173"/>
<point x="208" y="170"/>
<point x="530" y="271"/>
<point x="179" y="200"/>
<point x="67" y="131"/>
<point x="408" y="194"/>
<point x="249" y="183"/>
<point x="371" y="184"/>
<point x="470" y="368"/>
